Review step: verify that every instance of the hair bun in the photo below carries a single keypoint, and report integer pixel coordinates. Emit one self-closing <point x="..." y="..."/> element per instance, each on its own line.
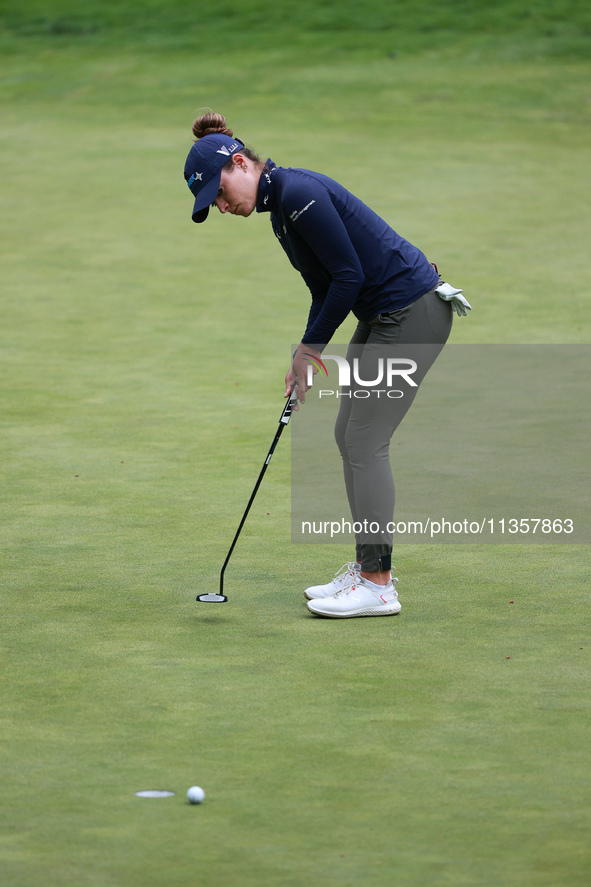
<point x="209" y="123"/>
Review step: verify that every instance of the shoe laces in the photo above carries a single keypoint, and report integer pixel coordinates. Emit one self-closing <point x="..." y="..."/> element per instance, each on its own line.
<point x="349" y="588"/>
<point x="352" y="567"/>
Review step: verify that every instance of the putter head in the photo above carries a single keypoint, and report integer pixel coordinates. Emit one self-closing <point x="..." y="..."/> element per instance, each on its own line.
<point x="212" y="598"/>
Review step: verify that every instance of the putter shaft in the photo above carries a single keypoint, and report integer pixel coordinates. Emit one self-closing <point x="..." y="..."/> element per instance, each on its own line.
<point x="283" y="421"/>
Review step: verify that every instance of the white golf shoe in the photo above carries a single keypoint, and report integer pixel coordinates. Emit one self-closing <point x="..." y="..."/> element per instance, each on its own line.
<point x="344" y="576"/>
<point x="358" y="599"/>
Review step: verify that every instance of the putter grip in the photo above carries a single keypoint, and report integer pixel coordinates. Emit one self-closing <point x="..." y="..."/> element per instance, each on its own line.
<point x="288" y="409"/>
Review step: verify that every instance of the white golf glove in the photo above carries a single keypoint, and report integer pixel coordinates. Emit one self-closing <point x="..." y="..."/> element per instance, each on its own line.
<point x="448" y="293"/>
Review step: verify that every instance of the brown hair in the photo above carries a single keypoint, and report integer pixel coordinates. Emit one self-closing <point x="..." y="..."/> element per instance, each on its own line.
<point x="209" y="123"/>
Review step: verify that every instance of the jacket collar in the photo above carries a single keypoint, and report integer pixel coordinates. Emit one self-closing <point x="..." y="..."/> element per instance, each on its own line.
<point x="266" y="197"/>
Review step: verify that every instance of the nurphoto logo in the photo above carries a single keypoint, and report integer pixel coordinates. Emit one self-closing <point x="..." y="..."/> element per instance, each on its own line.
<point x="388" y="369"/>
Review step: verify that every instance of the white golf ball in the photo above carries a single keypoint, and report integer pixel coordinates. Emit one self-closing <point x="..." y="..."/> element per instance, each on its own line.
<point x="195" y="795"/>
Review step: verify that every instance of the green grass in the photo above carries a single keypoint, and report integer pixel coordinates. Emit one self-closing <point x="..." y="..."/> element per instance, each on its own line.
<point x="141" y="374"/>
<point x="557" y="27"/>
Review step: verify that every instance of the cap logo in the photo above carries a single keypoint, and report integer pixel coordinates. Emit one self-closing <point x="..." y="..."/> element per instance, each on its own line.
<point x="196" y="177"/>
<point x="228" y="151"/>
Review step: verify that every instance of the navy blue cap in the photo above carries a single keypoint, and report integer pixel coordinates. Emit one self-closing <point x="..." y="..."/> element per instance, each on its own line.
<point x="203" y="169"/>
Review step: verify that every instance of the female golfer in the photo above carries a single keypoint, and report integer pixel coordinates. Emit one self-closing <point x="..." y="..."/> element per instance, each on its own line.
<point x="351" y="260"/>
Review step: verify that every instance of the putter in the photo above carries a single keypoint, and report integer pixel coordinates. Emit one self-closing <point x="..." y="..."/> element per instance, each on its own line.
<point x="212" y="598"/>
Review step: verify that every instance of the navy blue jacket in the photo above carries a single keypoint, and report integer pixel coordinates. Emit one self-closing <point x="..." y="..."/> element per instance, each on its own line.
<point x="350" y="259"/>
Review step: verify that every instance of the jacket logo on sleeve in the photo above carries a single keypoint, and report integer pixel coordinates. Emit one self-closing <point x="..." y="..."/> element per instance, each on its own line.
<point x="297" y="213"/>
